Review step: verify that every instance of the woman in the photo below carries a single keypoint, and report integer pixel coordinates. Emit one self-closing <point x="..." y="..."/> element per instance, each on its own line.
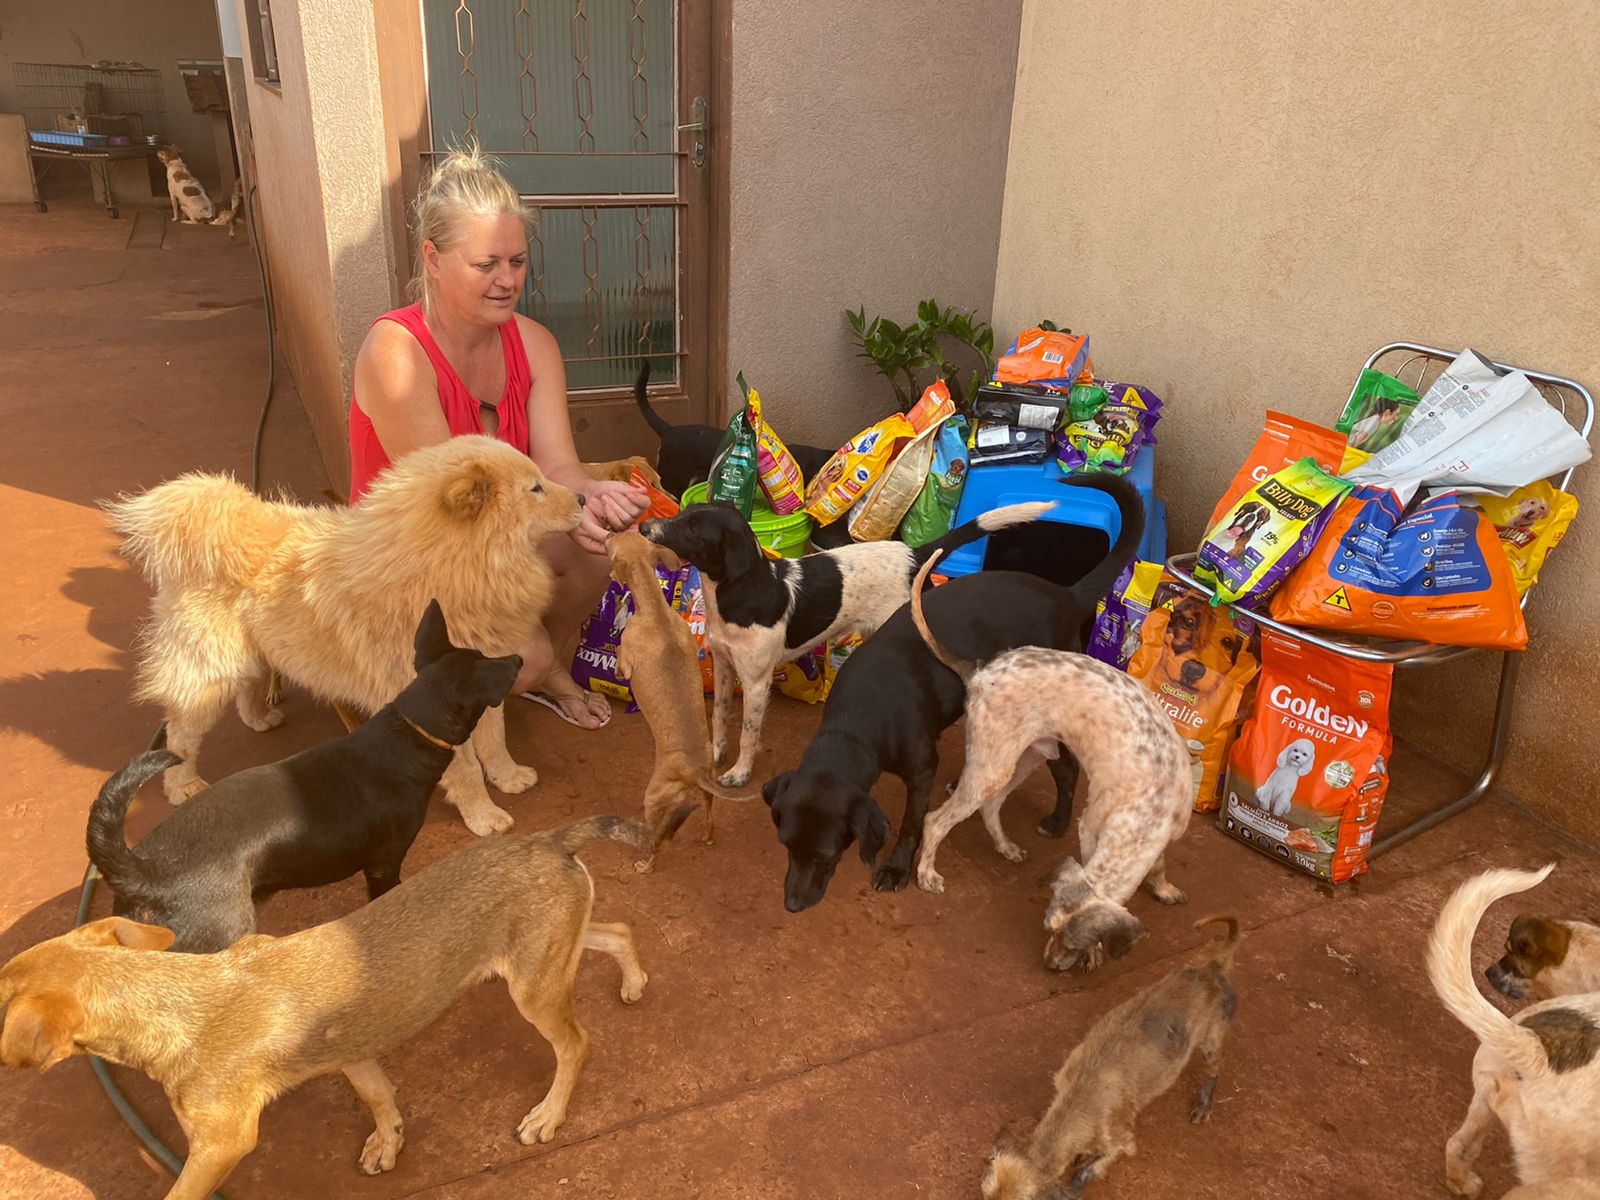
<point x="463" y="361"/>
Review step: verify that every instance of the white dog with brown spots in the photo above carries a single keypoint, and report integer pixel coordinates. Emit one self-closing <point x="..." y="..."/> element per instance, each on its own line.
<point x="184" y="190"/>
<point x="1021" y="708"/>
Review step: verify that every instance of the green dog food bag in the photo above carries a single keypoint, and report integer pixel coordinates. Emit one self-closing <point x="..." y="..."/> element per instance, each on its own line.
<point x="1377" y="411"/>
<point x="735" y="471"/>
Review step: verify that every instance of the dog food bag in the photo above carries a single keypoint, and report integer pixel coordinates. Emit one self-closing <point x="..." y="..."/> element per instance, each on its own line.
<point x="735" y="470"/>
<point x="935" y="506"/>
<point x="810" y="677"/>
<point x="1051" y="357"/>
<point x="1529" y="523"/>
<point x="686" y="595"/>
<point x="1026" y="407"/>
<point x="1248" y="553"/>
<point x="662" y="505"/>
<point x="1436" y="572"/>
<point x="878" y="514"/>
<point x="1197" y="660"/>
<point x="1307" y="778"/>
<point x="996" y="443"/>
<point x="1284" y="440"/>
<point x="1108" y="439"/>
<point x="1377" y="410"/>
<point x="1119" y="618"/>
<point x="846" y="476"/>
<point x="776" y="470"/>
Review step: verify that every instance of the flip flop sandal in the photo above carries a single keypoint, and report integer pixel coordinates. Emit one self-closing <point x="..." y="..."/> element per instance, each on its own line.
<point x="555" y="707"/>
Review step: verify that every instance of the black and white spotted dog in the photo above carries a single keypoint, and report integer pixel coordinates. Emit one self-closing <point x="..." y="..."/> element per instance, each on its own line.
<point x="762" y="612"/>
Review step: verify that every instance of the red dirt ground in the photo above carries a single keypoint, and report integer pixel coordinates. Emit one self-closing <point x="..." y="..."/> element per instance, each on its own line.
<point x="869" y="1048"/>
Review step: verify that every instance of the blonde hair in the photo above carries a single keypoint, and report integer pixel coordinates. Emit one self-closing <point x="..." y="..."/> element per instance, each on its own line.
<point x="466" y="183"/>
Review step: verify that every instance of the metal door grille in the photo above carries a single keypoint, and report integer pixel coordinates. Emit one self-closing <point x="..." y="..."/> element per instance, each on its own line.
<point x="576" y="98"/>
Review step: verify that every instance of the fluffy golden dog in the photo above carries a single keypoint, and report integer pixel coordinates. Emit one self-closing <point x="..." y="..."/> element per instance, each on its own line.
<point x="329" y="597"/>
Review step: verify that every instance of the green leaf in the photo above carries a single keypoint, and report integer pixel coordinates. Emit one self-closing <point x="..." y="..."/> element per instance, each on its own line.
<point x="928" y="311"/>
<point x="985" y="342"/>
<point x="858" y="318"/>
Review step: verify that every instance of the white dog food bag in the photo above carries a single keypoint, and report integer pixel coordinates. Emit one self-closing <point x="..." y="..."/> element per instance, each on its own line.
<point x="1307" y="777"/>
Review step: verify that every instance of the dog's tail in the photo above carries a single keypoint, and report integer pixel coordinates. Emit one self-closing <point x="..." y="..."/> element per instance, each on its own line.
<point x="108" y="848"/>
<point x="641" y="397"/>
<point x="1130" y="508"/>
<point x="571" y="838"/>
<point x="960" y="666"/>
<point x="992" y="521"/>
<point x="1222" y="953"/>
<point x="197" y="528"/>
<point x="709" y="785"/>
<point x="1450" y="967"/>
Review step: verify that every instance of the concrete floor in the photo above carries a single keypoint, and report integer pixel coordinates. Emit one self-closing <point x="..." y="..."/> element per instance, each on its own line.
<point x="869" y="1048"/>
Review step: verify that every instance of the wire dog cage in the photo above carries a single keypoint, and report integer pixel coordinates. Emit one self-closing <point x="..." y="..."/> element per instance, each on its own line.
<point x="112" y="98"/>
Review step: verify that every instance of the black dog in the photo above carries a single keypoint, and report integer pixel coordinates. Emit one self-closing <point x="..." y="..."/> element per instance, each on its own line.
<point x="892" y="699"/>
<point x="687" y="450"/>
<point x="351" y="804"/>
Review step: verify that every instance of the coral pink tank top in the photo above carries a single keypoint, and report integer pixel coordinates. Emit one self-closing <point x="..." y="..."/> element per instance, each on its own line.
<point x="367" y="457"/>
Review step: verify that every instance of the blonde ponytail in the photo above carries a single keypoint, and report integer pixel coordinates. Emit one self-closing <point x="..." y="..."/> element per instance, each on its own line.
<point x="466" y="183"/>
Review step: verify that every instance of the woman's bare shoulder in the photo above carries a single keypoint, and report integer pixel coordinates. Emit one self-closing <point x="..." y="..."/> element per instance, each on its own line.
<point x="392" y="366"/>
<point x="538" y="341"/>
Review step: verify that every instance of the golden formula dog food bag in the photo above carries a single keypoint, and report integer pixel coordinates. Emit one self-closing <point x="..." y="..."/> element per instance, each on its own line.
<point x="1307" y="777"/>
<point x="1197" y="661"/>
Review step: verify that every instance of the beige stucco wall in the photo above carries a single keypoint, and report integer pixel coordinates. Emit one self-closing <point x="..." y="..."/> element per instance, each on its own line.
<point x="320" y="164"/>
<point x="869" y="150"/>
<point x="1240" y="207"/>
<point x="156" y="33"/>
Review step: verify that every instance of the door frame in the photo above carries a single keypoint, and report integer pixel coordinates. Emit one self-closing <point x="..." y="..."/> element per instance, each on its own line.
<point x="604" y="420"/>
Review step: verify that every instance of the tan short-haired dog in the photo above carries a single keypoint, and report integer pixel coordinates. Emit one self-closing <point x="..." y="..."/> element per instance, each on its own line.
<point x="1538" y="1073"/>
<point x="657" y="658"/>
<point x="1131" y="1055"/>
<point x="226" y="1033"/>
<point x="329" y="597"/>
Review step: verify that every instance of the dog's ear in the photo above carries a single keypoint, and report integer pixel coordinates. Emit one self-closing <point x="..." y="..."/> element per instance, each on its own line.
<point x="663" y="556"/>
<point x="119" y="931"/>
<point x="466" y="496"/>
<point x="774" y="788"/>
<point x="40" y="1030"/>
<point x="433" y="636"/>
<point x="870" y="826"/>
<point x="1120" y="935"/>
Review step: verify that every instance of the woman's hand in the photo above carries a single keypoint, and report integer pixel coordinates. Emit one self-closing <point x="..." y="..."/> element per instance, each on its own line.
<point x="609" y="507"/>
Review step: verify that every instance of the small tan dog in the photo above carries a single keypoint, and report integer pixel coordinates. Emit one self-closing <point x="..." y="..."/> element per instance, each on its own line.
<point x="329" y="597"/>
<point x="1537" y="1072"/>
<point x="224" y="1034"/>
<point x="1547" y="957"/>
<point x="1131" y="1055"/>
<point x="657" y="658"/>
<point x="184" y="190"/>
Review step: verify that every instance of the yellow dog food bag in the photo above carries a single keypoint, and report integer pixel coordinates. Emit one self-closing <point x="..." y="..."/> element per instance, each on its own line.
<point x="851" y="471"/>
<point x="1197" y="661"/>
<point x="1529" y="523"/>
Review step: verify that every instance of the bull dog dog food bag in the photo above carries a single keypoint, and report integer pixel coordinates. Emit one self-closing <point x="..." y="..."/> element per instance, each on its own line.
<point x="1307" y="777"/>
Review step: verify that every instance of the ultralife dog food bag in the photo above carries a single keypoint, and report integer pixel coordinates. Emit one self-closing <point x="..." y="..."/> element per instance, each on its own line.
<point x="1307" y="777"/>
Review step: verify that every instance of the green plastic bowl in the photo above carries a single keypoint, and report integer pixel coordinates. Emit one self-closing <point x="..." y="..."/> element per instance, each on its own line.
<point x="786" y="537"/>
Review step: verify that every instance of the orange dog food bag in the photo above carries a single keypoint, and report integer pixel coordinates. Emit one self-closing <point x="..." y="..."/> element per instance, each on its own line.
<point x="1308" y="776"/>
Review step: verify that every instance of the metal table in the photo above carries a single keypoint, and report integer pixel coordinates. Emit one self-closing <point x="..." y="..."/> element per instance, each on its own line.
<point x="1426" y="362"/>
<point x="96" y="160"/>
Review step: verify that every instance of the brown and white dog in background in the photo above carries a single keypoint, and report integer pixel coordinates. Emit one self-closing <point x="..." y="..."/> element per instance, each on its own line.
<point x="1537" y="1073"/>
<point x="184" y="189"/>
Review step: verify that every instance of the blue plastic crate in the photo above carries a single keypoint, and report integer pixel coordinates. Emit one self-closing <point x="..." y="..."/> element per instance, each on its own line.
<point x="53" y="137"/>
<point x="1015" y="483"/>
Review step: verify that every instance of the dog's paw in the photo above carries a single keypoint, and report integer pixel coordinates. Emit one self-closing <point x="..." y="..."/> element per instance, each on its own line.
<point x="645" y="865"/>
<point x="891" y="877"/>
<point x="513" y="779"/>
<point x="1054" y="827"/>
<point x="539" y="1125"/>
<point x="1169" y="893"/>
<point x="1012" y="852"/>
<point x="735" y="778"/>
<point x="930" y="880"/>
<point x="1459" y="1176"/>
<point x="486" y="819"/>
<point x="270" y="718"/>
<point x="382" y="1148"/>
<point x="632" y="989"/>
